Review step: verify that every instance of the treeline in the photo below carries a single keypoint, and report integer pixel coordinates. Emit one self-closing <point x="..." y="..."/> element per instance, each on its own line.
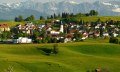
<point x="69" y="15"/>
<point x="20" y="18"/>
<point x="56" y="16"/>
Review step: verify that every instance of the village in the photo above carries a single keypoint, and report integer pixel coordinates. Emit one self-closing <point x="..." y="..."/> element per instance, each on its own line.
<point x="57" y="31"/>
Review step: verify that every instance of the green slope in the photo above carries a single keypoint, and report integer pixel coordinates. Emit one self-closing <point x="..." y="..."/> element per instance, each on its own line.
<point x="72" y="57"/>
<point x="102" y="18"/>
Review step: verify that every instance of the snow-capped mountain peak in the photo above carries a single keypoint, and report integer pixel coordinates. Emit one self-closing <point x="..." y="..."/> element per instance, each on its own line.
<point x="106" y="3"/>
<point x="71" y="2"/>
<point x="116" y="6"/>
<point x="8" y="11"/>
<point x="116" y="10"/>
<point x="9" y="5"/>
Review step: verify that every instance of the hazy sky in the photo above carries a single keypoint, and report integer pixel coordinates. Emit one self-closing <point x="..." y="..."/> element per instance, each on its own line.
<point x="12" y="1"/>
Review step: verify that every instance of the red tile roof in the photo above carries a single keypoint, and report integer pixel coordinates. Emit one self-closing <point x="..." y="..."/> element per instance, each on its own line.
<point x="4" y="26"/>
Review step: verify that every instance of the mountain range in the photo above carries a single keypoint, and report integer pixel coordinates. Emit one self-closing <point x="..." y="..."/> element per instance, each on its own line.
<point x="9" y="11"/>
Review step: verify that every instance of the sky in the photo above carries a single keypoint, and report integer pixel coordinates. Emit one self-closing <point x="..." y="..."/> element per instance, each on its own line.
<point x="14" y="1"/>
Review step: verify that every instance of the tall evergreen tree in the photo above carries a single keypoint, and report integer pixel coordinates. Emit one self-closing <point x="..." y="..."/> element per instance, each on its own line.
<point x="42" y="18"/>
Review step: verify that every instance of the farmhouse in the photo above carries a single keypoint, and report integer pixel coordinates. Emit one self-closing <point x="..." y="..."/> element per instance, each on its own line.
<point x="22" y="40"/>
<point x="4" y="27"/>
<point x="53" y="32"/>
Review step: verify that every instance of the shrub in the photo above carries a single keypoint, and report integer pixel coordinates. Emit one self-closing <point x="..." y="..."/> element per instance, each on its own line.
<point x="54" y="40"/>
<point x="113" y="40"/>
<point x="47" y="51"/>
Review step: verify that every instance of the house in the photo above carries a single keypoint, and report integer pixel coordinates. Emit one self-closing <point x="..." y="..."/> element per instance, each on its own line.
<point x="85" y="35"/>
<point x="41" y="26"/>
<point x="53" y="32"/>
<point x="4" y="27"/>
<point x="106" y="34"/>
<point x="115" y="34"/>
<point x="49" y="29"/>
<point x="27" y="28"/>
<point x="67" y="40"/>
<point x="97" y="33"/>
<point x="97" y="27"/>
<point x="22" y="40"/>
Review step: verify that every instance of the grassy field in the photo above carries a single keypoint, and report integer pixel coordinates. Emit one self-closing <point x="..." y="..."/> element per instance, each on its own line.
<point x="72" y="57"/>
<point x="11" y="23"/>
<point x="102" y="18"/>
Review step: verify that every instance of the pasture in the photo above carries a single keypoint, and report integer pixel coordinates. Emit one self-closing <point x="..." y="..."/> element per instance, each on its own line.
<point x="72" y="57"/>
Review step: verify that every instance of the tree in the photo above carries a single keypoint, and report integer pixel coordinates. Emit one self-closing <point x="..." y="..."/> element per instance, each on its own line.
<point x="42" y="18"/>
<point x="81" y="22"/>
<point x="51" y="17"/>
<point x="20" y="18"/>
<point x="77" y="36"/>
<point x="93" y="13"/>
<point x="19" y="35"/>
<point x="48" y="38"/>
<point x="5" y="35"/>
<point x="32" y="17"/>
<point x="35" y="34"/>
<point x="55" y="16"/>
<point x="55" y="48"/>
<point x="113" y="40"/>
<point x="54" y="40"/>
<point x="44" y="40"/>
<point x="27" y="19"/>
<point x="16" y="19"/>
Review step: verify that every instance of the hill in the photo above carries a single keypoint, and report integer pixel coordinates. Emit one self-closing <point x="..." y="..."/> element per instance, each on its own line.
<point x="72" y="57"/>
<point x="95" y="18"/>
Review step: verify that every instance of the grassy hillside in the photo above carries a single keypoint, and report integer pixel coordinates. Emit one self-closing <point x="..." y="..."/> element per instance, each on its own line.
<point x="11" y="23"/>
<point x="72" y="57"/>
<point x="102" y="18"/>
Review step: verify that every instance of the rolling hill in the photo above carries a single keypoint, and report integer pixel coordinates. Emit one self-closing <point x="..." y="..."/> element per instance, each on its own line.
<point x="72" y="57"/>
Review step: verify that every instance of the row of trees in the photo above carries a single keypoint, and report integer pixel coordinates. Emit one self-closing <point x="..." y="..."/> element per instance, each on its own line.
<point x="20" y="18"/>
<point x="55" y="16"/>
<point x="69" y="15"/>
<point x="91" y="13"/>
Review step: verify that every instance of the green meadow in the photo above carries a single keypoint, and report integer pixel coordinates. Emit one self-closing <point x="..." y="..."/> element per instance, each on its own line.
<point x="102" y="18"/>
<point x="72" y="57"/>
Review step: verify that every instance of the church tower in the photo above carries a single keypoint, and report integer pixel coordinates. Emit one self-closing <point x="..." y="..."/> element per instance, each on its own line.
<point x="61" y="27"/>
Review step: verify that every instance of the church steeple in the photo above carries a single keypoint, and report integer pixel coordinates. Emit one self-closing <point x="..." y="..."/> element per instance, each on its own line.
<point x="61" y="27"/>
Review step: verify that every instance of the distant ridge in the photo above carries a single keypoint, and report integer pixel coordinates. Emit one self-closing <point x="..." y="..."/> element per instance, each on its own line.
<point x="105" y="8"/>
